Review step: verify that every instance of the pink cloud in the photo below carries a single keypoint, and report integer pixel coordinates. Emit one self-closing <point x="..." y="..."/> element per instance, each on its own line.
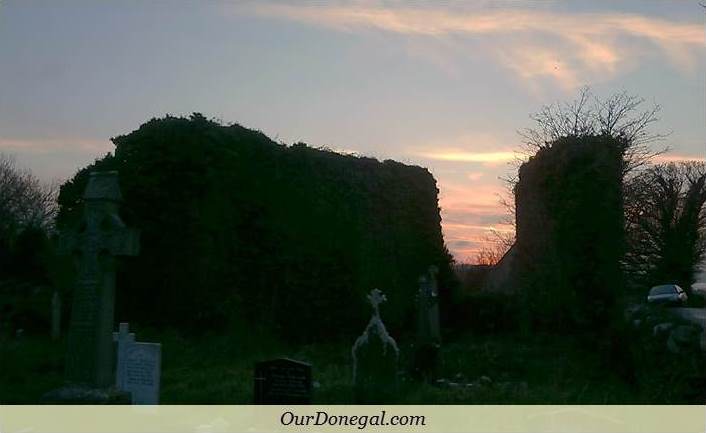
<point x="668" y="157"/>
<point x="567" y="48"/>
<point x="470" y="215"/>
<point x="467" y="156"/>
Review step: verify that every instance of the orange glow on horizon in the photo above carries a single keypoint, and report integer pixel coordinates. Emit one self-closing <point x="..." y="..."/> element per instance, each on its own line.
<point x="464" y="156"/>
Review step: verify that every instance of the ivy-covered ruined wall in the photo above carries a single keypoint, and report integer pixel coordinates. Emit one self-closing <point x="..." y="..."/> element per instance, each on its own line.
<point x="569" y="233"/>
<point x="239" y="229"/>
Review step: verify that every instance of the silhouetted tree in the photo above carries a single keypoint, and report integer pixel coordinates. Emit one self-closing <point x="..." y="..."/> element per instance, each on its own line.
<point x="25" y="202"/>
<point x="27" y="210"/>
<point x="496" y="245"/>
<point x="666" y="223"/>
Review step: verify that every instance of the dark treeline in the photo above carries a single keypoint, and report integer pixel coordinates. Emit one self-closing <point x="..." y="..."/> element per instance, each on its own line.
<point x="27" y="211"/>
<point x="237" y="229"/>
<point x="666" y="224"/>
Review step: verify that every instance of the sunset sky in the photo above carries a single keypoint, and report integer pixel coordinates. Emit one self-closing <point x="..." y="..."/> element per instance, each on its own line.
<point x="445" y="85"/>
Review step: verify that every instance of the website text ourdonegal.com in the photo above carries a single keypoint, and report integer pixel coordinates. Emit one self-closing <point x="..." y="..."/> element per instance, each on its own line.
<point x="322" y="418"/>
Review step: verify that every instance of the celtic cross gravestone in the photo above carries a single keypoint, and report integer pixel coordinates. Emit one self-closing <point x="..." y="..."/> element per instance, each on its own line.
<point x="100" y="236"/>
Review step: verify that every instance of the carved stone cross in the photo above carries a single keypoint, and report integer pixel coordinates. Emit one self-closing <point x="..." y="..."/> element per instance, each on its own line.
<point x="99" y="238"/>
<point x="375" y="357"/>
<point x="376" y="298"/>
<point x="124" y="335"/>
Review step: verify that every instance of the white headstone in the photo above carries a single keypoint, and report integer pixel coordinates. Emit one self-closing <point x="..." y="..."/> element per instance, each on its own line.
<point x="142" y="370"/>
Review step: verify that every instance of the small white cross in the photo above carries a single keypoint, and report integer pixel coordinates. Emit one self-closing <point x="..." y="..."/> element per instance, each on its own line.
<point x="124" y="335"/>
<point x="124" y="338"/>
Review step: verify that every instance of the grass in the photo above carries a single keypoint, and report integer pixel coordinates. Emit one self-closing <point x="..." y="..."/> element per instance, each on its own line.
<point x="219" y="370"/>
<point x="29" y="367"/>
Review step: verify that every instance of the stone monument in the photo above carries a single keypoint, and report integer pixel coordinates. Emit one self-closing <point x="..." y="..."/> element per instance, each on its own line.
<point x="94" y="244"/>
<point x="375" y="356"/>
<point x="427" y="351"/>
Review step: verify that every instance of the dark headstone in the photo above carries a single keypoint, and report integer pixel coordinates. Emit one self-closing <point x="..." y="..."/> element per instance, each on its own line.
<point x="282" y="381"/>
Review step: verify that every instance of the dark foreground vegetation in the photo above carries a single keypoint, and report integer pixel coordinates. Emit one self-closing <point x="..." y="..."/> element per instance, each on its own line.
<point x="497" y="368"/>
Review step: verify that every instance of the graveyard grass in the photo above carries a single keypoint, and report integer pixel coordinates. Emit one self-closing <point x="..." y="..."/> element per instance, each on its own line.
<point x="539" y="369"/>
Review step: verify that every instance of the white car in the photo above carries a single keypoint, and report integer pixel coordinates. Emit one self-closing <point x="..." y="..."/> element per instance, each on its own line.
<point x="667" y="294"/>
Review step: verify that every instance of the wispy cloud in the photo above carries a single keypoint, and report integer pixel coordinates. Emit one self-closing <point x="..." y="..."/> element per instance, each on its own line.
<point x="501" y="228"/>
<point x="474" y="175"/>
<point x="668" y="157"/>
<point x="478" y="147"/>
<point x="470" y="214"/>
<point x="568" y="48"/>
<point x="465" y="156"/>
<point x="51" y="145"/>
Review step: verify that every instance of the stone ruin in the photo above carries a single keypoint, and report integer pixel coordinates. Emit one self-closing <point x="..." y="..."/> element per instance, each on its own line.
<point x="569" y="232"/>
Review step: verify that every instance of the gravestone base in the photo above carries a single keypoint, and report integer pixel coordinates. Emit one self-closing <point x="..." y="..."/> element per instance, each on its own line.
<point x="373" y="394"/>
<point x="427" y="362"/>
<point x="375" y="357"/>
<point x="75" y="394"/>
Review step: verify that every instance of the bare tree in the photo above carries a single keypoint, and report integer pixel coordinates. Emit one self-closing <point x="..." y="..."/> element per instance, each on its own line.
<point x="620" y="116"/>
<point x="495" y="247"/>
<point x="24" y="200"/>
